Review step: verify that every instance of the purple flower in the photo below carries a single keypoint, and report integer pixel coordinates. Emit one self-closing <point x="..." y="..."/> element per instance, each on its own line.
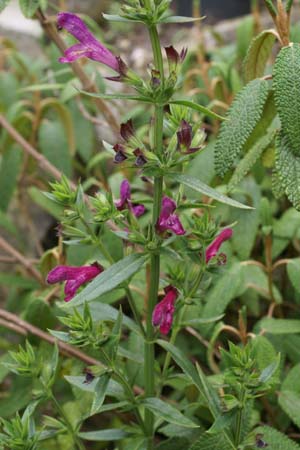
<point x="174" y="57"/>
<point x="162" y="316"/>
<point x="74" y="277"/>
<point x="168" y="221"/>
<point x="127" y="130"/>
<point x="88" y="45"/>
<point x="185" y="136"/>
<point x="125" y="200"/>
<point x="120" y="155"/>
<point x="214" y="247"/>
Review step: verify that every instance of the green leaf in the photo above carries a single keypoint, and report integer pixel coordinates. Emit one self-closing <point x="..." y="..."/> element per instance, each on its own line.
<point x="9" y="170"/>
<point x="42" y="87"/>
<point x="100" y="393"/>
<point x="293" y="271"/>
<point x="243" y="115"/>
<point x="289" y="401"/>
<point x="7" y="224"/>
<point x="280" y="326"/>
<point x="287" y="166"/>
<point x="29" y="7"/>
<point x="250" y="159"/>
<point x="45" y="203"/>
<point x="202" y="188"/>
<point x="137" y="98"/>
<point x="258" y="54"/>
<point x="182" y="361"/>
<point x="54" y="145"/>
<point x="269" y="371"/>
<point x="114" y="389"/>
<point x="167" y="412"/>
<point x="197" y="107"/>
<point x="289" y="5"/>
<point x="179" y="19"/>
<point x="109" y="279"/>
<point x="286" y="84"/>
<point x="275" y="439"/>
<point x="211" y="442"/>
<point x="117" y="18"/>
<point x="3" y="4"/>
<point x="113" y="434"/>
<point x="208" y="393"/>
<point x="244" y="35"/>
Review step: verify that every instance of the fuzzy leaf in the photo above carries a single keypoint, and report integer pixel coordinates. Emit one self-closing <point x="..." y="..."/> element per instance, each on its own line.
<point x="250" y="159"/>
<point x="289" y="401"/>
<point x="167" y="412"/>
<point x="242" y="116"/>
<point x="109" y="279"/>
<point x="211" y="442"/>
<point x="287" y="166"/>
<point x="202" y="188"/>
<point x="258" y="54"/>
<point x="286" y="84"/>
<point x="275" y="439"/>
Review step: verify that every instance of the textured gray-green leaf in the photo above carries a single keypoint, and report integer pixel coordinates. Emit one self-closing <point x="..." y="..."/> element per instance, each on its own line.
<point x="287" y="166"/>
<point x="275" y="439"/>
<point x="250" y="159"/>
<point x="242" y="117"/>
<point x="211" y="442"/>
<point x="258" y="54"/>
<point x="286" y="86"/>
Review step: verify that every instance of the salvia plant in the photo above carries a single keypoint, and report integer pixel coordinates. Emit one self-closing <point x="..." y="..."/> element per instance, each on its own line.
<point x="156" y="240"/>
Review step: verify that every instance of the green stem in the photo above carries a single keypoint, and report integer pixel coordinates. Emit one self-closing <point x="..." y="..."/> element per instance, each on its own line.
<point x="155" y="258"/>
<point x="240" y="417"/>
<point x="69" y="426"/>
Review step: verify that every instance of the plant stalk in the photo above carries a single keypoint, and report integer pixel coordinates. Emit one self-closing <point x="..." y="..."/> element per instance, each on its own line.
<point x="155" y="258"/>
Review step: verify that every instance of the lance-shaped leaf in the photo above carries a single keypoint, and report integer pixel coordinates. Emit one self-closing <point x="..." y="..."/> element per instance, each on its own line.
<point x="109" y="279"/>
<point x="112" y="434"/>
<point x="242" y="117"/>
<point x="258" y="54"/>
<point x="286" y="85"/>
<point x="275" y="440"/>
<point x="280" y="326"/>
<point x="197" y="107"/>
<point x="202" y="188"/>
<point x="167" y="412"/>
<point x="100" y="392"/>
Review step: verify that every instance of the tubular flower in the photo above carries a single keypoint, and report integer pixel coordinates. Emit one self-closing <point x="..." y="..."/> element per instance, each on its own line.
<point x="163" y="312"/>
<point x="168" y="221"/>
<point x="214" y="247"/>
<point x="184" y="138"/>
<point x="174" y="57"/>
<point x="125" y="200"/>
<point x="88" y="46"/>
<point x="74" y="277"/>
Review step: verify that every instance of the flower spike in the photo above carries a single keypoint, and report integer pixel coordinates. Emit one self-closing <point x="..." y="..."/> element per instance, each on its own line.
<point x="168" y="221"/>
<point x="163" y="312"/>
<point x="74" y="277"/>
<point x="214" y="247"/>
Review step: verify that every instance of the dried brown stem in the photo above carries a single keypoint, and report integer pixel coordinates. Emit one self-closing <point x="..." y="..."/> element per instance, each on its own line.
<point x="4" y="245"/>
<point x="87" y="84"/>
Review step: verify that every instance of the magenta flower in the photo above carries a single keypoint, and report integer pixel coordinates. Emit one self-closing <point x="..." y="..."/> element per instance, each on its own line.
<point x="125" y="201"/>
<point x="174" y="57"/>
<point x="162" y="316"/>
<point x="74" y="277"/>
<point x="214" y="247"/>
<point x="168" y="221"/>
<point x="184" y="138"/>
<point x="88" y="45"/>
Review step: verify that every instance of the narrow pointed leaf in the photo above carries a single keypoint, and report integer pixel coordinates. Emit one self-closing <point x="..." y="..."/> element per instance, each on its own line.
<point x="113" y="434"/>
<point x="109" y="279"/>
<point x="167" y="412"/>
<point x="100" y="392"/>
<point x="197" y="107"/>
<point x="202" y="188"/>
